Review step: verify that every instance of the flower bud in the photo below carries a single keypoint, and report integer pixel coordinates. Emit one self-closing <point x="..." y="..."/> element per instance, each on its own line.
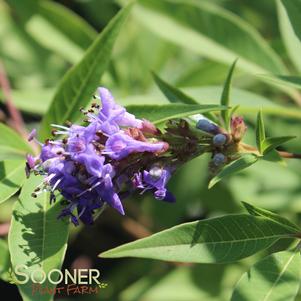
<point x="148" y="127"/>
<point x="219" y="159"/>
<point x="32" y="135"/>
<point x="238" y="128"/>
<point x="207" y="126"/>
<point x="219" y="140"/>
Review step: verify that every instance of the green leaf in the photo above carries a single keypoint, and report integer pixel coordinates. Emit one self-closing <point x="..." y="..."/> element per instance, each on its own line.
<point x="160" y="113"/>
<point x="36" y="238"/>
<point x="11" y="144"/>
<point x="273" y="216"/>
<point x="4" y="260"/>
<point x="289" y="38"/>
<point x="196" y="25"/>
<point x="173" y="94"/>
<point x="71" y="33"/>
<point x="248" y="102"/>
<point x="242" y="163"/>
<point x="225" y="98"/>
<point x="222" y="239"/>
<point x="80" y="82"/>
<point x="274" y="278"/>
<point x="273" y="156"/>
<point x="273" y="142"/>
<point x="260" y="132"/>
<point x="32" y="101"/>
<point x="293" y="9"/>
<point x="12" y="177"/>
<point x="293" y="81"/>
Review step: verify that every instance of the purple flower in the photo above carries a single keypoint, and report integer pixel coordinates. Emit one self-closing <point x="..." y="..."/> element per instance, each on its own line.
<point x="107" y="190"/>
<point x="51" y="150"/>
<point x="88" y="165"/>
<point x="32" y="135"/>
<point x="112" y="116"/>
<point x="156" y="180"/>
<point x="120" y="145"/>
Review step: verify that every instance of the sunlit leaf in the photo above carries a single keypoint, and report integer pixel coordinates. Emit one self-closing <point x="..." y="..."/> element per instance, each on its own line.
<point x="37" y="239"/>
<point x="293" y="9"/>
<point x="12" y="145"/>
<point x="12" y="177"/>
<point x="173" y="94"/>
<point x="274" y="278"/>
<point x="161" y="113"/>
<point x="289" y="38"/>
<point x="260" y="132"/>
<point x="80" y="82"/>
<point x="271" y="215"/>
<point x="225" y="98"/>
<point x="221" y="239"/>
<point x="293" y="81"/>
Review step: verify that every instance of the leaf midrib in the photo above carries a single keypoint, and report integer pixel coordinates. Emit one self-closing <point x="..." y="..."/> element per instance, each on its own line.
<point x="279" y="277"/>
<point x="202" y="243"/>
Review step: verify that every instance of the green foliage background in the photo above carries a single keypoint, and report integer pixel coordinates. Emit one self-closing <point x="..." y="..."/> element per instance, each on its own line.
<point x="191" y="45"/>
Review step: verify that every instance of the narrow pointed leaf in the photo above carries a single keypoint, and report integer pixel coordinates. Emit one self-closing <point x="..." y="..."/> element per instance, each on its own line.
<point x="37" y="238"/>
<point x="173" y="94"/>
<point x="12" y="177"/>
<point x="242" y="163"/>
<point x="260" y="131"/>
<point x="80" y="82"/>
<point x="293" y="9"/>
<point x="271" y="215"/>
<point x="284" y="80"/>
<point x="273" y="142"/>
<point x="222" y="239"/>
<point x="289" y="38"/>
<point x="225" y="98"/>
<point x="160" y="113"/>
<point x="274" y="278"/>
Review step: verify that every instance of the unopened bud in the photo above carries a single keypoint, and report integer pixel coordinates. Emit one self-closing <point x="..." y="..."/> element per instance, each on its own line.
<point x="238" y="128"/>
<point x="207" y="126"/>
<point x="219" y="159"/>
<point x="32" y="135"/>
<point x="219" y="139"/>
<point x="148" y="127"/>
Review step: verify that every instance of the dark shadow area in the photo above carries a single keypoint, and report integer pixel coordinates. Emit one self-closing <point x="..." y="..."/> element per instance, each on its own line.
<point x="4" y="180"/>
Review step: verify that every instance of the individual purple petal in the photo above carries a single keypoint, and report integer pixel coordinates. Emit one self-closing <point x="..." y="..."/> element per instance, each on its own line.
<point x="156" y="178"/>
<point x="93" y="163"/>
<point x="120" y="145"/>
<point x="51" y="150"/>
<point x="31" y="161"/>
<point x="109" y="195"/>
<point x="32" y="135"/>
<point x="113" y="115"/>
<point x="137" y="181"/>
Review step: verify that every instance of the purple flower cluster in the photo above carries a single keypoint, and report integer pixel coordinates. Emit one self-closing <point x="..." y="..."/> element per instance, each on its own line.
<point x="103" y="162"/>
